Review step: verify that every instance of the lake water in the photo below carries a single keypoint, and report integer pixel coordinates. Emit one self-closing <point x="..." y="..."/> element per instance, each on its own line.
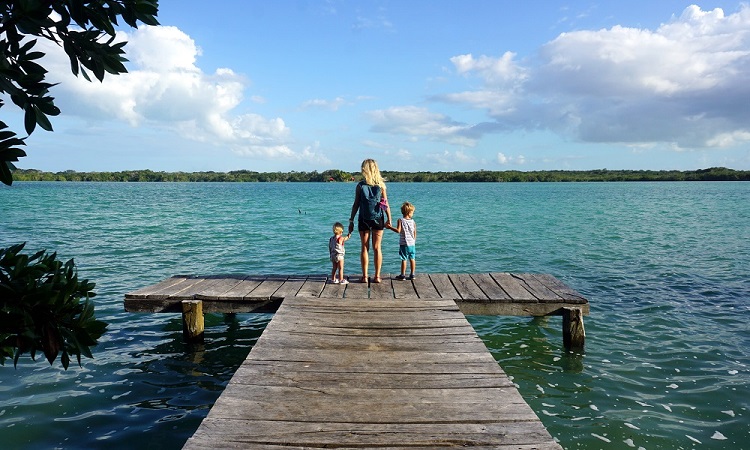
<point x="666" y="267"/>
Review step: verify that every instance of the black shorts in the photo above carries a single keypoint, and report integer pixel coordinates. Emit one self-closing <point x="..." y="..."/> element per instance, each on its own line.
<point x="371" y="224"/>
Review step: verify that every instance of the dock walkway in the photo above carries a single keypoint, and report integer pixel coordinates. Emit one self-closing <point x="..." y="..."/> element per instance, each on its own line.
<point x="370" y="373"/>
<point x="369" y="365"/>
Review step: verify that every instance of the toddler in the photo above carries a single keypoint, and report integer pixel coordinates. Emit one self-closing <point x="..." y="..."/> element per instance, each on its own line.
<point x="336" y="250"/>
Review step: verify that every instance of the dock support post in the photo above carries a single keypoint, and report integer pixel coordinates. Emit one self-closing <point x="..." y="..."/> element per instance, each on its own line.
<point x="192" y="321"/>
<point x="574" y="334"/>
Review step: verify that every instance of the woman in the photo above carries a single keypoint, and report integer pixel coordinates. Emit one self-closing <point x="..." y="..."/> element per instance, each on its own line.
<point x="371" y="202"/>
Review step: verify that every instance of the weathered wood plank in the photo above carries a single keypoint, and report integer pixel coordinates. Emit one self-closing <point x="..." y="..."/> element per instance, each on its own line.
<point x="424" y="287"/>
<point x="567" y="293"/>
<point x="356" y="289"/>
<point x="175" y="289"/>
<point x="353" y="369"/>
<point x="489" y="286"/>
<point x="404" y="289"/>
<point x="384" y="289"/>
<point x="333" y="290"/>
<point x="364" y="303"/>
<point x="512" y="286"/>
<point x="466" y="286"/>
<point x="444" y="286"/>
<point x="323" y="405"/>
<point x="222" y="286"/>
<point x="448" y="330"/>
<point x="310" y="341"/>
<point x="291" y="286"/>
<point x="313" y="286"/>
<point x="268" y="434"/>
<point x="243" y="288"/>
<point x="376" y="315"/>
<point x="266" y="288"/>
<point x="189" y="292"/>
<point x="533" y="285"/>
<point x="284" y="373"/>
<point x="145" y="292"/>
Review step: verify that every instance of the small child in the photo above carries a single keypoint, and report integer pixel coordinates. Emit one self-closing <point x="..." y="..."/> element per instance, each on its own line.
<point x="336" y="249"/>
<point x="407" y="230"/>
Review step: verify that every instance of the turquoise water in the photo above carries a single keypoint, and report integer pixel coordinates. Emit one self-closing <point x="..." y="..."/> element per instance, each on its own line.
<point x="666" y="267"/>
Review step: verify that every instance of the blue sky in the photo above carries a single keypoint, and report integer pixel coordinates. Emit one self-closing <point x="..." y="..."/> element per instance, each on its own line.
<point x="417" y="85"/>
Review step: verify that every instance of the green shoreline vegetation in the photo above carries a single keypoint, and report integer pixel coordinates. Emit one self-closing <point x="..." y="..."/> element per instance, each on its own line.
<point x="710" y="174"/>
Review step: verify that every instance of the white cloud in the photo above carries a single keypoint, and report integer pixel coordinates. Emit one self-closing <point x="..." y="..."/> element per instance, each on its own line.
<point x="448" y="158"/>
<point x="503" y="159"/>
<point x="730" y="139"/>
<point x="331" y="105"/>
<point x="281" y="152"/>
<point x="684" y="84"/>
<point x="165" y="89"/>
<point x="494" y="71"/>
<point x="417" y="122"/>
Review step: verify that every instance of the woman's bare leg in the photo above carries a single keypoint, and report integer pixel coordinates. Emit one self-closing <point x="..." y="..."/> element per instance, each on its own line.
<point x="377" y="237"/>
<point x="364" y="258"/>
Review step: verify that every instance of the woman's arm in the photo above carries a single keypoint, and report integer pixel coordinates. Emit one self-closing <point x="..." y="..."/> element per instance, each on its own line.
<point x="387" y="209"/>
<point x="355" y="207"/>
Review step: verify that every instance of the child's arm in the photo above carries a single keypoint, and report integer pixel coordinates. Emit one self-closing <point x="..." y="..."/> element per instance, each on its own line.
<point x="415" y="231"/>
<point x="397" y="228"/>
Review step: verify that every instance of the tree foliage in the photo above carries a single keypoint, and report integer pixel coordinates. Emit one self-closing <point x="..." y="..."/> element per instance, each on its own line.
<point x="43" y="306"/>
<point x="86" y="31"/>
<point x="710" y="174"/>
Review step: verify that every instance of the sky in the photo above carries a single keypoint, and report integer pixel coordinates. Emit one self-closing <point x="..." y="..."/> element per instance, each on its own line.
<point x="418" y="85"/>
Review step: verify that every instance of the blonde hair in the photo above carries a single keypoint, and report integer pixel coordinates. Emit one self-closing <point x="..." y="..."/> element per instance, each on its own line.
<point x="371" y="172"/>
<point x="407" y="209"/>
<point x="338" y="228"/>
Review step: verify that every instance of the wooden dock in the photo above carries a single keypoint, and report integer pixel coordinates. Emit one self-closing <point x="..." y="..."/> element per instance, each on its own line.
<point x="370" y="373"/>
<point x="387" y="365"/>
<point x="513" y="294"/>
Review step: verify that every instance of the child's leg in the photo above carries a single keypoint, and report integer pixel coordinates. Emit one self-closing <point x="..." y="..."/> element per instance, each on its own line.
<point x="341" y="269"/>
<point x="333" y="270"/>
<point x="412" y="265"/>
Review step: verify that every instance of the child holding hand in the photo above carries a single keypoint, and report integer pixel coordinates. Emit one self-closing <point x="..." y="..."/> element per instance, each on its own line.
<point x="337" y="251"/>
<point x="407" y="230"/>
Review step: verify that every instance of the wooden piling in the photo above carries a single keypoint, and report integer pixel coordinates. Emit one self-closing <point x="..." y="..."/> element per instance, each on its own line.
<point x="574" y="334"/>
<point x="192" y="321"/>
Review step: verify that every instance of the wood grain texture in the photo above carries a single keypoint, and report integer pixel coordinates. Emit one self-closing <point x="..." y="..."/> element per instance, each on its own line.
<point x="370" y="373"/>
<point x="482" y="293"/>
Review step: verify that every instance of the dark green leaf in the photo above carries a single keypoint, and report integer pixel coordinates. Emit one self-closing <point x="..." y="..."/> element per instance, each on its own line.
<point x="29" y="119"/>
<point x="6" y="177"/>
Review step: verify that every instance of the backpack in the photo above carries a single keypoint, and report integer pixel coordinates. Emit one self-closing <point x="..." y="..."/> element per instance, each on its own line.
<point x="369" y="202"/>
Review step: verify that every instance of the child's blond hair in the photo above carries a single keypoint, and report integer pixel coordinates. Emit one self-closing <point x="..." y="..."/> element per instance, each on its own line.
<point x="338" y="228"/>
<point x="407" y="209"/>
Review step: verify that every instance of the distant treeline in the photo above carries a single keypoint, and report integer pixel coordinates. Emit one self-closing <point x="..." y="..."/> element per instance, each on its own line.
<point x="711" y="174"/>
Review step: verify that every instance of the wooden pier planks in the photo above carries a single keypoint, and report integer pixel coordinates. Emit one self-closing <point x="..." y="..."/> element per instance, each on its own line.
<point x="359" y="373"/>
<point x="484" y="293"/>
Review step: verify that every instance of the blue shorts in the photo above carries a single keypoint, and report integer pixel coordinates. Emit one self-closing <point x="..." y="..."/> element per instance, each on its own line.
<point x="407" y="252"/>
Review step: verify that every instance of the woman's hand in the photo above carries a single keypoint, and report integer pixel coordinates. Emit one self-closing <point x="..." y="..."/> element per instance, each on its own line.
<point x="351" y="227"/>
